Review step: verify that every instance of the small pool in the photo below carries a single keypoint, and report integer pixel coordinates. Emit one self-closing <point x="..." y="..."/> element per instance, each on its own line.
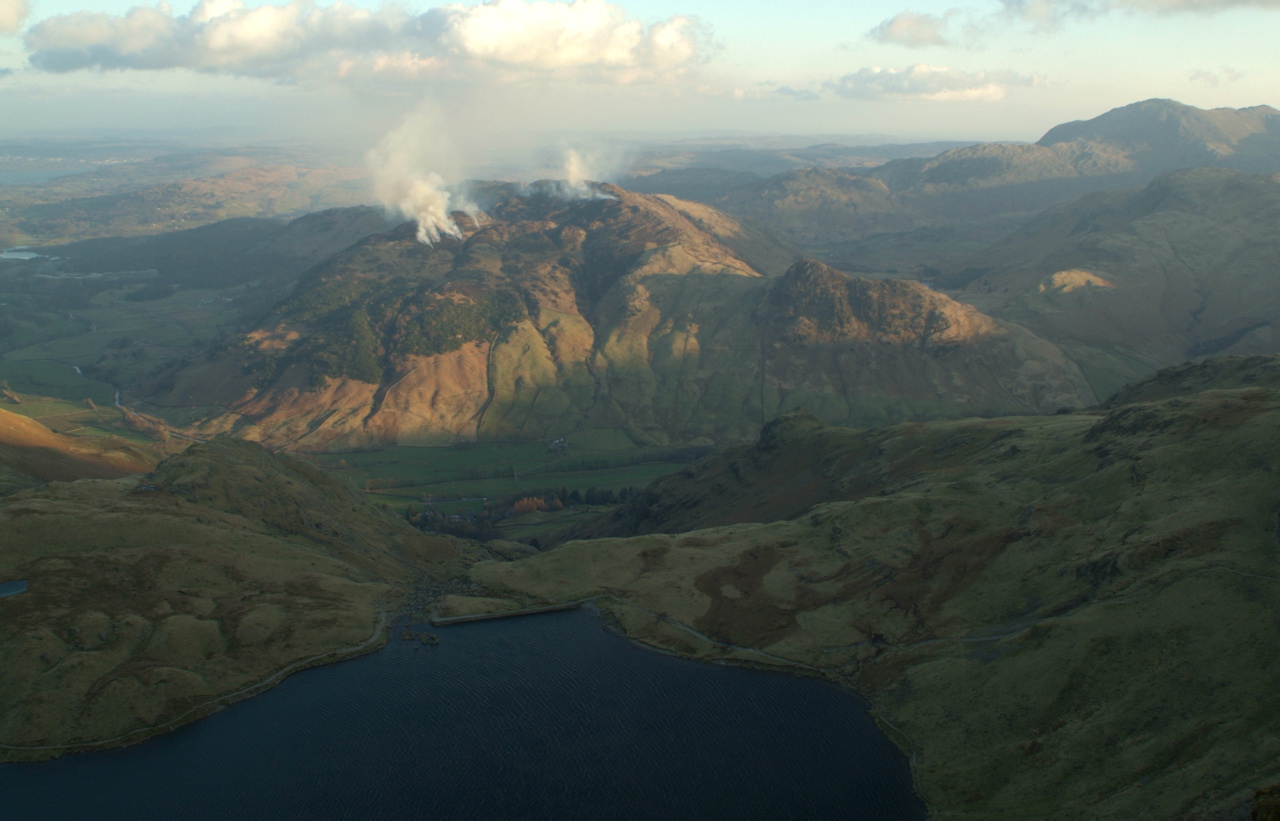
<point x="13" y="588"/>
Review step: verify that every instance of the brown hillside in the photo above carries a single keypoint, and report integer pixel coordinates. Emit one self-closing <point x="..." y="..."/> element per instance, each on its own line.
<point x="31" y="449"/>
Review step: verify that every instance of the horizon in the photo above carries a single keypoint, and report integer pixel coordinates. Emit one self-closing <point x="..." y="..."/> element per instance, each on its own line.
<point x="348" y="74"/>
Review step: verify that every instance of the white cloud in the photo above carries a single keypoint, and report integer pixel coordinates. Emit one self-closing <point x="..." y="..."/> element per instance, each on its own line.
<point x="583" y="39"/>
<point x="1213" y="79"/>
<point x="920" y="30"/>
<point x="913" y="30"/>
<point x="1051" y="13"/>
<point x="1205" y="6"/>
<point x="926" y="82"/>
<point x="802" y="94"/>
<point x="12" y="13"/>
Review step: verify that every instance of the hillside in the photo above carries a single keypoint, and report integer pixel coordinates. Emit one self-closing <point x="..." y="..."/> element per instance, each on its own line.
<point x="152" y="602"/>
<point x="630" y="313"/>
<point x="1069" y="616"/>
<point x="227" y="252"/>
<point x="30" y="451"/>
<point x="1136" y="280"/>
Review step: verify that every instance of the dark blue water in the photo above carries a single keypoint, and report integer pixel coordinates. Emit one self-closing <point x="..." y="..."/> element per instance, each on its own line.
<point x="546" y="716"/>
<point x="13" y="588"/>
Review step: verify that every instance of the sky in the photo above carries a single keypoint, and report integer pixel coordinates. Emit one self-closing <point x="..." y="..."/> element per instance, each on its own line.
<point x="481" y="76"/>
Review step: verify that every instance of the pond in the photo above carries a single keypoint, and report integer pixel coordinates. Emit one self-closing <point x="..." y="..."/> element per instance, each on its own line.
<point x="13" y="588"/>
<point x="547" y="716"/>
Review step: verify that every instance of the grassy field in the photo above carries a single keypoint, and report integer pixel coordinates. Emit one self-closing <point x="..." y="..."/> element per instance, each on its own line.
<point x="461" y="478"/>
<point x="53" y="379"/>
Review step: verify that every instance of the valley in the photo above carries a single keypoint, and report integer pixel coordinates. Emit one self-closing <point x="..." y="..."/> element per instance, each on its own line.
<point x="983" y="432"/>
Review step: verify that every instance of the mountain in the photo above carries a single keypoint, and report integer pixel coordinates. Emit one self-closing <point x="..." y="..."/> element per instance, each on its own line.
<point x="628" y="312"/>
<point x="153" y="601"/>
<point x="1164" y="135"/>
<point x="992" y="187"/>
<point x="1136" y="280"/>
<point x="1067" y="616"/>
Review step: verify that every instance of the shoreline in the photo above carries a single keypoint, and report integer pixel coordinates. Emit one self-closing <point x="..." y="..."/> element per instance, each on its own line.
<point x="17" y="754"/>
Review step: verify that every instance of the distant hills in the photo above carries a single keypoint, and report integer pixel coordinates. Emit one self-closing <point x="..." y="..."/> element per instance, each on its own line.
<point x="1067" y="616"/>
<point x="170" y="193"/>
<point x="987" y="189"/>
<point x="1135" y="280"/>
<point x="643" y="314"/>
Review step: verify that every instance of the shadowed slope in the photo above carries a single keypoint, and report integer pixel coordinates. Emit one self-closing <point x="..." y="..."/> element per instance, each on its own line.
<point x="1181" y="268"/>
<point x="149" y="605"/>
<point x="1070" y="616"/>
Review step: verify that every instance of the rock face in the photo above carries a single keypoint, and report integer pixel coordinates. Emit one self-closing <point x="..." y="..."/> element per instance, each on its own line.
<point x="151" y="602"/>
<point x="1137" y="280"/>
<point x="644" y="314"/>
<point x="1068" y="616"/>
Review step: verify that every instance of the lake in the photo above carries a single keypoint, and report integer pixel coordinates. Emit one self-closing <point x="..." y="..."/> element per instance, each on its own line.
<point x="547" y="716"/>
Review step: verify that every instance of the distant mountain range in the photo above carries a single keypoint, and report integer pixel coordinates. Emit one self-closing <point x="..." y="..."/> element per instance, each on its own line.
<point x="990" y="187"/>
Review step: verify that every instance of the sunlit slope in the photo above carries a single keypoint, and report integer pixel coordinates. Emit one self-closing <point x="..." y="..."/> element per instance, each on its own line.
<point x="150" y="601"/>
<point x="1131" y="281"/>
<point x="32" y="450"/>
<point x="624" y="312"/>
<point x="1070" y="616"/>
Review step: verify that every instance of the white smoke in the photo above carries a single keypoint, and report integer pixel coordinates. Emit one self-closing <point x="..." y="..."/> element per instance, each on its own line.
<point x="405" y="168"/>
<point x="417" y="175"/>
<point x="580" y="169"/>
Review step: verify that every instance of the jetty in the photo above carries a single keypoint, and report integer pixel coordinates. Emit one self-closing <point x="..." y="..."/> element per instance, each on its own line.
<point x="443" y="621"/>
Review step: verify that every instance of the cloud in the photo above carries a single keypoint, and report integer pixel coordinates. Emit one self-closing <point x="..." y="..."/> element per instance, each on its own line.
<point x="1203" y="6"/>
<point x="12" y="13"/>
<point x="801" y="94"/>
<point x="583" y="39"/>
<point x="1213" y="79"/>
<point x="913" y="30"/>
<point x="1052" y="13"/>
<point x="920" y="30"/>
<point x="926" y="82"/>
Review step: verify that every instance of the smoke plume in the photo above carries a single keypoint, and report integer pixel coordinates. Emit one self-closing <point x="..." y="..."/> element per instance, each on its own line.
<point x="406" y="168"/>
<point x="417" y="175"/>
